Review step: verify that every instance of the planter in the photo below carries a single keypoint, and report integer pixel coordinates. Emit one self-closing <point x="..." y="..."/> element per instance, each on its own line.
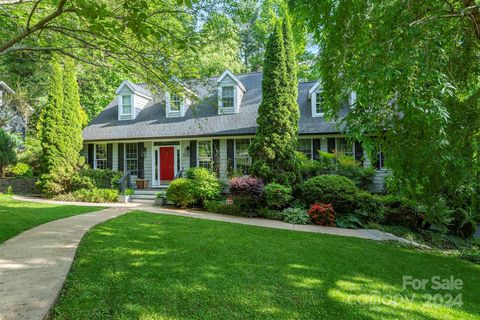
<point x="124" y="199"/>
<point x="142" y="183"/>
<point x="160" y="202"/>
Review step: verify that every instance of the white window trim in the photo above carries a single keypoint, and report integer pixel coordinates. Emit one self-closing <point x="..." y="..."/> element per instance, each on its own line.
<point x="95" y="154"/>
<point x="120" y="105"/>
<point x="235" y="152"/>
<point x="229" y="110"/>
<point x="311" y="146"/>
<point x="353" y="146"/>
<point x="174" y="113"/>
<point x="314" y="105"/>
<point x="198" y="154"/>
<point x="125" y="157"/>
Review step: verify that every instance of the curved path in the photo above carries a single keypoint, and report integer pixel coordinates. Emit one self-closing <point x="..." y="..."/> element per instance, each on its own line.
<point x="35" y="264"/>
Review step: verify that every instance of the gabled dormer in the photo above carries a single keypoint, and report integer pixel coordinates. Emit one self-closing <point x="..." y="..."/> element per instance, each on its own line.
<point x="131" y="99"/>
<point x="314" y="94"/>
<point x="176" y="104"/>
<point x="230" y="93"/>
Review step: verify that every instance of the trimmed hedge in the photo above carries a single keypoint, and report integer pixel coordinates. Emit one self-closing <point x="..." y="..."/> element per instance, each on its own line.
<point x="277" y="196"/>
<point x="339" y="191"/>
<point x="94" y="195"/>
<point x="181" y="192"/>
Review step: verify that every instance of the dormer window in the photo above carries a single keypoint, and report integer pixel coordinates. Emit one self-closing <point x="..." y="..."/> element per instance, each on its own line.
<point x="175" y="103"/>
<point x="230" y="93"/>
<point x="126" y="105"/>
<point x="228" y="97"/>
<point x="315" y="96"/>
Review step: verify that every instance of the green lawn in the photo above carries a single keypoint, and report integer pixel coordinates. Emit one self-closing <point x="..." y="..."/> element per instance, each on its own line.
<point x="18" y="216"/>
<point x="146" y="266"/>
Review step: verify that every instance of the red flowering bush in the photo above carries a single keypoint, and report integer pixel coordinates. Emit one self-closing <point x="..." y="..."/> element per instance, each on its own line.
<point x="322" y="214"/>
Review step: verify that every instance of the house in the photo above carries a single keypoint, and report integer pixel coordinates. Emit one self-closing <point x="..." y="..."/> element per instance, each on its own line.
<point x="210" y="125"/>
<point x="12" y="119"/>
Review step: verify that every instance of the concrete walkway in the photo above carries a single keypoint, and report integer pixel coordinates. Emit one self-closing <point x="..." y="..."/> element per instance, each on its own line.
<point x="34" y="264"/>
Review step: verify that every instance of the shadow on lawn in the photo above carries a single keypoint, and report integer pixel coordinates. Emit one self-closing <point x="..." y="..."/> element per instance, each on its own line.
<point x="150" y="266"/>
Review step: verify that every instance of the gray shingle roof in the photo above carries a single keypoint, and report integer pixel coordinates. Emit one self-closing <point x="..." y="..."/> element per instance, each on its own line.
<point x="203" y="119"/>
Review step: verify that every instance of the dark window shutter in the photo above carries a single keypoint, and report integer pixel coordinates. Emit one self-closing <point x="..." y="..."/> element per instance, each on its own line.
<point x="141" y="173"/>
<point x="90" y="155"/>
<point x="358" y="151"/>
<point x="110" y="156"/>
<point x="316" y="149"/>
<point x="121" y="161"/>
<point x="230" y="154"/>
<point x="193" y="153"/>
<point x="331" y="144"/>
<point x="216" y="156"/>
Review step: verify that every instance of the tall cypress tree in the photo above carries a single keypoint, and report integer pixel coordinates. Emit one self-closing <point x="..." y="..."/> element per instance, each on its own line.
<point x="291" y="65"/>
<point x="72" y="118"/>
<point x="273" y="148"/>
<point x="50" y="125"/>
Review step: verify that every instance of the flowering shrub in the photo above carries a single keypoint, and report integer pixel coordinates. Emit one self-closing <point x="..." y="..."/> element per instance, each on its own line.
<point x="247" y="186"/>
<point x="247" y="193"/>
<point x="322" y="214"/>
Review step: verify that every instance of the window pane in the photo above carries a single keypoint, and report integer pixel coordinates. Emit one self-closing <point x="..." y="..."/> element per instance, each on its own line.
<point x="205" y="154"/>
<point x="318" y="104"/>
<point x="131" y="158"/>
<point x="305" y="147"/>
<point x="101" y="156"/>
<point x="126" y="104"/>
<point x="175" y="103"/>
<point x="345" y="147"/>
<point x="242" y="158"/>
<point x="227" y="97"/>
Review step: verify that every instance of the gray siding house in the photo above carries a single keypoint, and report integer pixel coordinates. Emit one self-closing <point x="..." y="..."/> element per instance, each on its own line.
<point x="211" y="124"/>
<point x="11" y="118"/>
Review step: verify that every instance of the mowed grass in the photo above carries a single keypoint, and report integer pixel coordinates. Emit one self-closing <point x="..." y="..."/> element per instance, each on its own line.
<point x="147" y="266"/>
<point x="18" y="216"/>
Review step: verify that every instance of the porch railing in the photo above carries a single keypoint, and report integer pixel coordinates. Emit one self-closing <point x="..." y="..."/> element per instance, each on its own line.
<point x="180" y="174"/>
<point x="125" y="182"/>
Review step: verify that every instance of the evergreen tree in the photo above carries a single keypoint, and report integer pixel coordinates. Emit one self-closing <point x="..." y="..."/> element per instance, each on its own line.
<point x="51" y="131"/>
<point x="291" y="69"/>
<point x="8" y="145"/>
<point x="72" y="115"/>
<point x="273" y="149"/>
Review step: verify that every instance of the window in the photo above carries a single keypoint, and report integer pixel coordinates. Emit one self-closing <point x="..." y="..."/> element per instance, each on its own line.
<point x="305" y="147"/>
<point x="344" y="147"/>
<point x="204" y="153"/>
<point x="381" y="159"/>
<point x="127" y="104"/>
<point x="131" y="158"/>
<point x="318" y="104"/>
<point x="227" y="97"/>
<point x="101" y="156"/>
<point x="175" y="103"/>
<point x="242" y="158"/>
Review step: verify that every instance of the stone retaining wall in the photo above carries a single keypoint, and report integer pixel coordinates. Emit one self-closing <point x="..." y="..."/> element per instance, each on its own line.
<point x="19" y="185"/>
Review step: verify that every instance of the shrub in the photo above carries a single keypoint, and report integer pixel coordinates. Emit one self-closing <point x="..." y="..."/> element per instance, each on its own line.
<point x="129" y="192"/>
<point x="247" y="192"/>
<point x="350" y="221"/>
<point x="277" y="195"/>
<point x="322" y="214"/>
<point x="100" y="178"/>
<point x="369" y="207"/>
<point x="91" y="195"/>
<point x="468" y="229"/>
<point x="401" y="211"/>
<point x="295" y="216"/>
<point x="339" y="191"/>
<point x="438" y="213"/>
<point x="9" y="190"/>
<point x="270" y="214"/>
<point x="217" y="206"/>
<point x="181" y="193"/>
<point x="205" y="184"/>
<point x="19" y="170"/>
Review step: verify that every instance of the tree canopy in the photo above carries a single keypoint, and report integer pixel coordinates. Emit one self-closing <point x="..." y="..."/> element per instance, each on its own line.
<point x="414" y="67"/>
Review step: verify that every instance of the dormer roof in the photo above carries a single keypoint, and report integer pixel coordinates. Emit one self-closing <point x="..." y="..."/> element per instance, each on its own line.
<point x="314" y="88"/>
<point x="135" y="88"/>
<point x="6" y="88"/>
<point x="234" y="78"/>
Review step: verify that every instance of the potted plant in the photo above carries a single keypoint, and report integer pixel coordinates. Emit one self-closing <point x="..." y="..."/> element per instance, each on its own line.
<point x="160" y="199"/>
<point x="142" y="183"/>
<point x="125" y="197"/>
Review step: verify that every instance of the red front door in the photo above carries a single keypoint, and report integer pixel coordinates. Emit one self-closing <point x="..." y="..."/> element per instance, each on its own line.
<point x="167" y="163"/>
